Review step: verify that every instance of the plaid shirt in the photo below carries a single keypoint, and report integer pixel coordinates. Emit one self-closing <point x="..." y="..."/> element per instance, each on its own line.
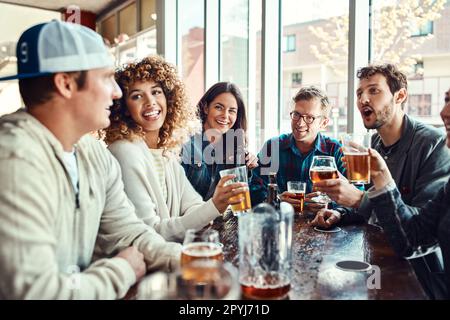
<point x="293" y="165"/>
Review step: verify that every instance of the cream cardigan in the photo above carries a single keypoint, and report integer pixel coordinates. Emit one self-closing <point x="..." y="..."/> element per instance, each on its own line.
<point x="184" y="209"/>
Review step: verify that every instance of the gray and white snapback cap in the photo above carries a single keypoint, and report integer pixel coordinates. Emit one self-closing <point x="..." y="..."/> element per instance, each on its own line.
<point x="58" y="46"/>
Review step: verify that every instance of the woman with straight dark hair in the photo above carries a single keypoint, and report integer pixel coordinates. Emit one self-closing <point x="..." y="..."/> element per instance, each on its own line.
<point x="222" y="143"/>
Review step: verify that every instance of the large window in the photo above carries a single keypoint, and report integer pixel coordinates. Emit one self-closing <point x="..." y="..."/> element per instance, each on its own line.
<point x="314" y="42"/>
<point x="146" y="43"/>
<point x="322" y="58"/>
<point x="15" y="20"/>
<point x="192" y="31"/>
<point x="127" y="20"/>
<point x="254" y="114"/>
<point x="148" y="14"/>
<point x="130" y="40"/>
<point x="421" y="57"/>
<point x="234" y="43"/>
<point x="108" y="28"/>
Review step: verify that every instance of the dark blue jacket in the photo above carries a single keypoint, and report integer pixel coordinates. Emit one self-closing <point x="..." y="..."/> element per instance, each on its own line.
<point x="202" y="162"/>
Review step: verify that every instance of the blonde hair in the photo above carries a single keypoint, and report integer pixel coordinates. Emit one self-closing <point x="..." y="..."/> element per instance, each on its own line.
<point x="312" y="92"/>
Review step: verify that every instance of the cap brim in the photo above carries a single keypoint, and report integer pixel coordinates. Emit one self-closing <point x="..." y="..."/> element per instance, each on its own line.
<point x="25" y="76"/>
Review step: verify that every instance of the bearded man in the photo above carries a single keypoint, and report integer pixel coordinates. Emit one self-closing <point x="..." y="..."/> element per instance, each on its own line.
<point x="415" y="155"/>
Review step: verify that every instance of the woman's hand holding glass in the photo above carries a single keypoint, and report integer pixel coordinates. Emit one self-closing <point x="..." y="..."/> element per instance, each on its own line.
<point x="224" y="195"/>
<point x="239" y="198"/>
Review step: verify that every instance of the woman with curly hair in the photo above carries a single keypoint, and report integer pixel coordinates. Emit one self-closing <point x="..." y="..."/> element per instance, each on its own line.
<point x="148" y="126"/>
<point x="222" y="143"/>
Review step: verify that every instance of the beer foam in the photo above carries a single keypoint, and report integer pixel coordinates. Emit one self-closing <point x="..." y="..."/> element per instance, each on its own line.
<point x="356" y="153"/>
<point x="201" y="249"/>
<point x="323" y="169"/>
<point x="261" y="282"/>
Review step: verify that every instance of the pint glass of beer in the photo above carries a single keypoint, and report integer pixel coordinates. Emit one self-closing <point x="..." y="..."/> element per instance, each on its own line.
<point x="199" y="245"/>
<point x="265" y="252"/>
<point x="200" y="279"/>
<point x="241" y="176"/>
<point x="297" y="188"/>
<point x="355" y="147"/>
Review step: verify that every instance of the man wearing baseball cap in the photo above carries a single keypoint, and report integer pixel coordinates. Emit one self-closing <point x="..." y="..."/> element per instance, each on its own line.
<point x="61" y="190"/>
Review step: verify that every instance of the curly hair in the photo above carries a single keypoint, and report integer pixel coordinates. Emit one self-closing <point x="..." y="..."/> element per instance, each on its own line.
<point x="395" y="79"/>
<point x="181" y="120"/>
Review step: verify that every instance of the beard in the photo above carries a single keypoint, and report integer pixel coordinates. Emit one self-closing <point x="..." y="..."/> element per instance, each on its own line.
<point x="382" y="117"/>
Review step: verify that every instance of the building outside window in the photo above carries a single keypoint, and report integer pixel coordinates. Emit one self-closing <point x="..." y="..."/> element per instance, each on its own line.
<point x="418" y="68"/>
<point x="296" y="79"/>
<point x="234" y="39"/>
<point x="420" y="57"/>
<point x="192" y="31"/>
<point x="289" y="43"/>
<point x="423" y="30"/>
<point x="324" y="67"/>
<point x="419" y="105"/>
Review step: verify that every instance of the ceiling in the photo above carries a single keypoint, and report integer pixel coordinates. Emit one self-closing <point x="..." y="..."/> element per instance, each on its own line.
<point x="97" y="6"/>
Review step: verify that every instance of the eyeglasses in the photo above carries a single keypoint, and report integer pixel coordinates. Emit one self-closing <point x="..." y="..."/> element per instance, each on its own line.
<point x="307" y="118"/>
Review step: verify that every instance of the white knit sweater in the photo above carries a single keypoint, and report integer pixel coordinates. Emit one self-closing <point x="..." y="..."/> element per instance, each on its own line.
<point x="184" y="208"/>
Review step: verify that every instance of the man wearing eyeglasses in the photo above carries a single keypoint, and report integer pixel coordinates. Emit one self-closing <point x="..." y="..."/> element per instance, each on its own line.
<point x="293" y="152"/>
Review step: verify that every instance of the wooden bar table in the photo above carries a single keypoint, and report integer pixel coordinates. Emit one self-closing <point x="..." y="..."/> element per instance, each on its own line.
<point x="314" y="274"/>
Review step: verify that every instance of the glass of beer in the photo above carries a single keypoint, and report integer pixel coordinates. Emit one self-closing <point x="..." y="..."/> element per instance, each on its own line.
<point x="356" y="151"/>
<point x="199" y="245"/>
<point x="240" y="176"/>
<point x="199" y="280"/>
<point x="297" y="188"/>
<point x="265" y="252"/>
<point x="323" y="168"/>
